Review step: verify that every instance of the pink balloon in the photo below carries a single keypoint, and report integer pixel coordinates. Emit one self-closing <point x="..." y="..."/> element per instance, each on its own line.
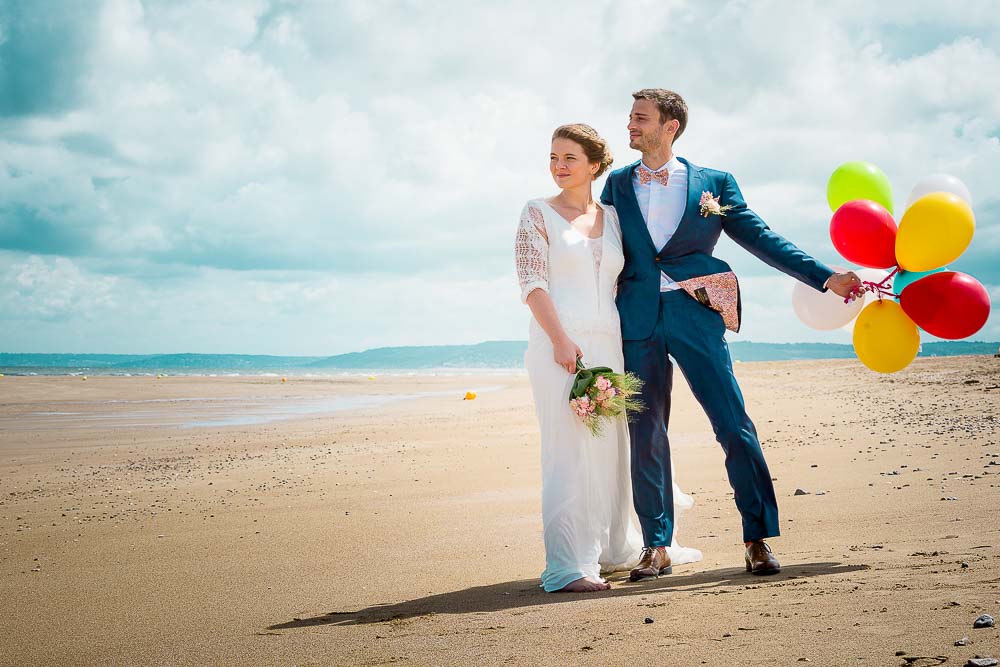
<point x="948" y="305"/>
<point x="864" y="232"/>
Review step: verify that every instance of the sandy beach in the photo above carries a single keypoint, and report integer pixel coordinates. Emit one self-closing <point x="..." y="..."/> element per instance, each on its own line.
<point x="357" y="521"/>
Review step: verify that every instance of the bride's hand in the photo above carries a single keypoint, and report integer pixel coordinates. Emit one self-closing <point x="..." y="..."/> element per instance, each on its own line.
<point x="566" y="352"/>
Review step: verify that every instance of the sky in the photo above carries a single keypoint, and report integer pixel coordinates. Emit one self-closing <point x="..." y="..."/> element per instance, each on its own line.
<point x="314" y="178"/>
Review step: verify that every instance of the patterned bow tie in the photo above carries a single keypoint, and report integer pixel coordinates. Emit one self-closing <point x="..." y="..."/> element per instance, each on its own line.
<point x="645" y="176"/>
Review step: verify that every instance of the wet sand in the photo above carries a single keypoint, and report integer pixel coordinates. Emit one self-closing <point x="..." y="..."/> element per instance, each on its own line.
<point x="330" y="522"/>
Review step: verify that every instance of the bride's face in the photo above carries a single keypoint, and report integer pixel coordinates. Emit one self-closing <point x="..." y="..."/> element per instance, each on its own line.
<point x="568" y="164"/>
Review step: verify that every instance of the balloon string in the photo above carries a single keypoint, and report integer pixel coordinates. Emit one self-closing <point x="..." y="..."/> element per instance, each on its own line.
<point x="880" y="289"/>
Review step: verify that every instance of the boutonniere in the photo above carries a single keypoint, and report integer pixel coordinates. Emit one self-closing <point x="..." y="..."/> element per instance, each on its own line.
<point x="710" y="205"/>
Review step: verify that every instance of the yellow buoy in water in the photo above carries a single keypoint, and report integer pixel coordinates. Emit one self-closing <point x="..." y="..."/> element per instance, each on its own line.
<point x="469" y="396"/>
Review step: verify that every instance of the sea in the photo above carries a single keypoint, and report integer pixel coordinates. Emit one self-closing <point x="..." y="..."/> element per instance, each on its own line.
<point x="500" y="357"/>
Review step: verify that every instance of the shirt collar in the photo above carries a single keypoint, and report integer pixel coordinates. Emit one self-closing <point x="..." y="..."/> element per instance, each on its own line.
<point x="672" y="165"/>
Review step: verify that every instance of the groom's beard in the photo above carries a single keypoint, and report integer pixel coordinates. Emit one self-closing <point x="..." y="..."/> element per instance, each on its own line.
<point x="646" y="143"/>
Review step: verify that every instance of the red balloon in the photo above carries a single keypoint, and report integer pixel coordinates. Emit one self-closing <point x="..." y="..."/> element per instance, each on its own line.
<point x="864" y="233"/>
<point x="948" y="305"/>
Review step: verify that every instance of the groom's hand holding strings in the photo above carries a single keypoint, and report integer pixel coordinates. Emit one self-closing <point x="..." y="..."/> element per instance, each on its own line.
<point x="847" y="285"/>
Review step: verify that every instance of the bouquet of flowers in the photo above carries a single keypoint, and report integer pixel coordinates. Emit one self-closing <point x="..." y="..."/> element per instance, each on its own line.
<point x="600" y="394"/>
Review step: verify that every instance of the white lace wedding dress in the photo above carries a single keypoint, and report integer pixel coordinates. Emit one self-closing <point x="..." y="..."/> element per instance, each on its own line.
<point x="589" y="524"/>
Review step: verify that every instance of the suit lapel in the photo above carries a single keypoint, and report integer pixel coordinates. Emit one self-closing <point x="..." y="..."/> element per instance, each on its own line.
<point x="695" y="183"/>
<point x="626" y="194"/>
<point x="689" y="220"/>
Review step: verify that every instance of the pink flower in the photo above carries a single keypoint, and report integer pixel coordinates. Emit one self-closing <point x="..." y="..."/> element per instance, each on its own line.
<point x="602" y="383"/>
<point x="582" y="407"/>
<point x="709" y="205"/>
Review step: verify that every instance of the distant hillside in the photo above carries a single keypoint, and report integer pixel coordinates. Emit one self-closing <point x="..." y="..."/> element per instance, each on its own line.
<point x="510" y="354"/>
<point x="493" y="354"/>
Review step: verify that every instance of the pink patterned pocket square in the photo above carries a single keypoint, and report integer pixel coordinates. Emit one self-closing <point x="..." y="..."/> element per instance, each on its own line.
<point x="720" y="292"/>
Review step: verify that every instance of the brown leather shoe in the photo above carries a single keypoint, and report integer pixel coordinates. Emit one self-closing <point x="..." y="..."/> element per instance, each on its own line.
<point x="653" y="562"/>
<point x="760" y="559"/>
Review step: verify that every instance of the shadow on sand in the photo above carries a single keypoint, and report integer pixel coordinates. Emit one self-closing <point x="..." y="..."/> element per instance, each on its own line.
<point x="527" y="593"/>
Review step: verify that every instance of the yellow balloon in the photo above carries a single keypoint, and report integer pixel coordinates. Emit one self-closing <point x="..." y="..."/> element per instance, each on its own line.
<point x="885" y="338"/>
<point x="934" y="231"/>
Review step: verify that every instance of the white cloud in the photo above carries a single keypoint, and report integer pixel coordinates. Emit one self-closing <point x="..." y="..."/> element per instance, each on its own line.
<point x="54" y="290"/>
<point x="353" y="171"/>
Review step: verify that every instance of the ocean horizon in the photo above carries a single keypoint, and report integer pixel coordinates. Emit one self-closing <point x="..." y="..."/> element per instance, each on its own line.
<point x="488" y="357"/>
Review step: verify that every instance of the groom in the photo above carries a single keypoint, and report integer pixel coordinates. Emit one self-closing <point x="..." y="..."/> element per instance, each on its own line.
<point x="676" y="299"/>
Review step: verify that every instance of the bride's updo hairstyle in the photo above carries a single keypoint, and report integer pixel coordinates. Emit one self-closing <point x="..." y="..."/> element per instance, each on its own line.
<point x="594" y="146"/>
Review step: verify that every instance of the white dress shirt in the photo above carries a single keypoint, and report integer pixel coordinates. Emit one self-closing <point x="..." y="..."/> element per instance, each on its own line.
<point x="663" y="207"/>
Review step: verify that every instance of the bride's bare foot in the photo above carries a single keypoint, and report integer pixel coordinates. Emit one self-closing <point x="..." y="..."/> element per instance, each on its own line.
<point x="586" y="585"/>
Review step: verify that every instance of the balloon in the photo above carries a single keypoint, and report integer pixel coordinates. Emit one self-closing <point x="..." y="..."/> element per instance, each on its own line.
<point x="948" y="305"/>
<point x="469" y="396"/>
<point x="823" y="310"/>
<point x="871" y="276"/>
<point x="858" y="180"/>
<point x="939" y="183"/>
<point x="864" y="232"/>
<point x="905" y="278"/>
<point x="935" y="230"/>
<point x="885" y="339"/>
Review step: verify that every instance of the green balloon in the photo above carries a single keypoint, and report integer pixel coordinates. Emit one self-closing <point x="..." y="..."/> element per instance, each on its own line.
<point x="858" y="180"/>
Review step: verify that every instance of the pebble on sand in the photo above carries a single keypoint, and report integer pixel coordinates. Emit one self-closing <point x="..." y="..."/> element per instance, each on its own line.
<point x="982" y="662"/>
<point x="801" y="492"/>
<point x="648" y="619"/>
<point x="984" y="621"/>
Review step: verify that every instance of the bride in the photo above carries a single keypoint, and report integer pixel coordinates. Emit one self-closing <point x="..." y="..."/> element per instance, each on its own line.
<point x="569" y="254"/>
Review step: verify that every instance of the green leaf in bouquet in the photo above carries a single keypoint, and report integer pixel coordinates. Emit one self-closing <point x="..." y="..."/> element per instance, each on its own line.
<point x="585" y="377"/>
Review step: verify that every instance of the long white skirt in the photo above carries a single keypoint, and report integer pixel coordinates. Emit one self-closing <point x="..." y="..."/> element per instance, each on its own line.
<point x="589" y="524"/>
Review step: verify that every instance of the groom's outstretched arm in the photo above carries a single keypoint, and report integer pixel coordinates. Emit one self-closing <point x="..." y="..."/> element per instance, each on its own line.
<point x="748" y="230"/>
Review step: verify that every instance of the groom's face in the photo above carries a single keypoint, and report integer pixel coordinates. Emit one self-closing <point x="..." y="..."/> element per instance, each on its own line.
<point x="645" y="131"/>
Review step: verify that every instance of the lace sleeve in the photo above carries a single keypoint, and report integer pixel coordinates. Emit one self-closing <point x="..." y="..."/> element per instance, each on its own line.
<point x="612" y="218"/>
<point x="615" y="229"/>
<point x="531" y="252"/>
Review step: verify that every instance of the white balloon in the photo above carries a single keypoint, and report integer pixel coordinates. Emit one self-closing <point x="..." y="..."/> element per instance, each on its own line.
<point x="823" y="310"/>
<point x="939" y="183"/>
<point x="872" y="276"/>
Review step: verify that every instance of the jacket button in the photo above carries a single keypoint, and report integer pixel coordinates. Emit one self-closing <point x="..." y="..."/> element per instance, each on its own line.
<point x="657" y="258"/>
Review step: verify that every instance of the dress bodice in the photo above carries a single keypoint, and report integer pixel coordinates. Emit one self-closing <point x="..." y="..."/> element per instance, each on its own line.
<point x="579" y="273"/>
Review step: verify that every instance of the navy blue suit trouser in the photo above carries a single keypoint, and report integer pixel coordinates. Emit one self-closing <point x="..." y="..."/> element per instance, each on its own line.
<point x="694" y="336"/>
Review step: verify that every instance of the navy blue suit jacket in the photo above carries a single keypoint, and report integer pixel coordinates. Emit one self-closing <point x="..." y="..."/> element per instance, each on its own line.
<point x="688" y="253"/>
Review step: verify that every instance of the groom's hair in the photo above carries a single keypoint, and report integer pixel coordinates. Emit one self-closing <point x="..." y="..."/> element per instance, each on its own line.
<point x="672" y="106"/>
